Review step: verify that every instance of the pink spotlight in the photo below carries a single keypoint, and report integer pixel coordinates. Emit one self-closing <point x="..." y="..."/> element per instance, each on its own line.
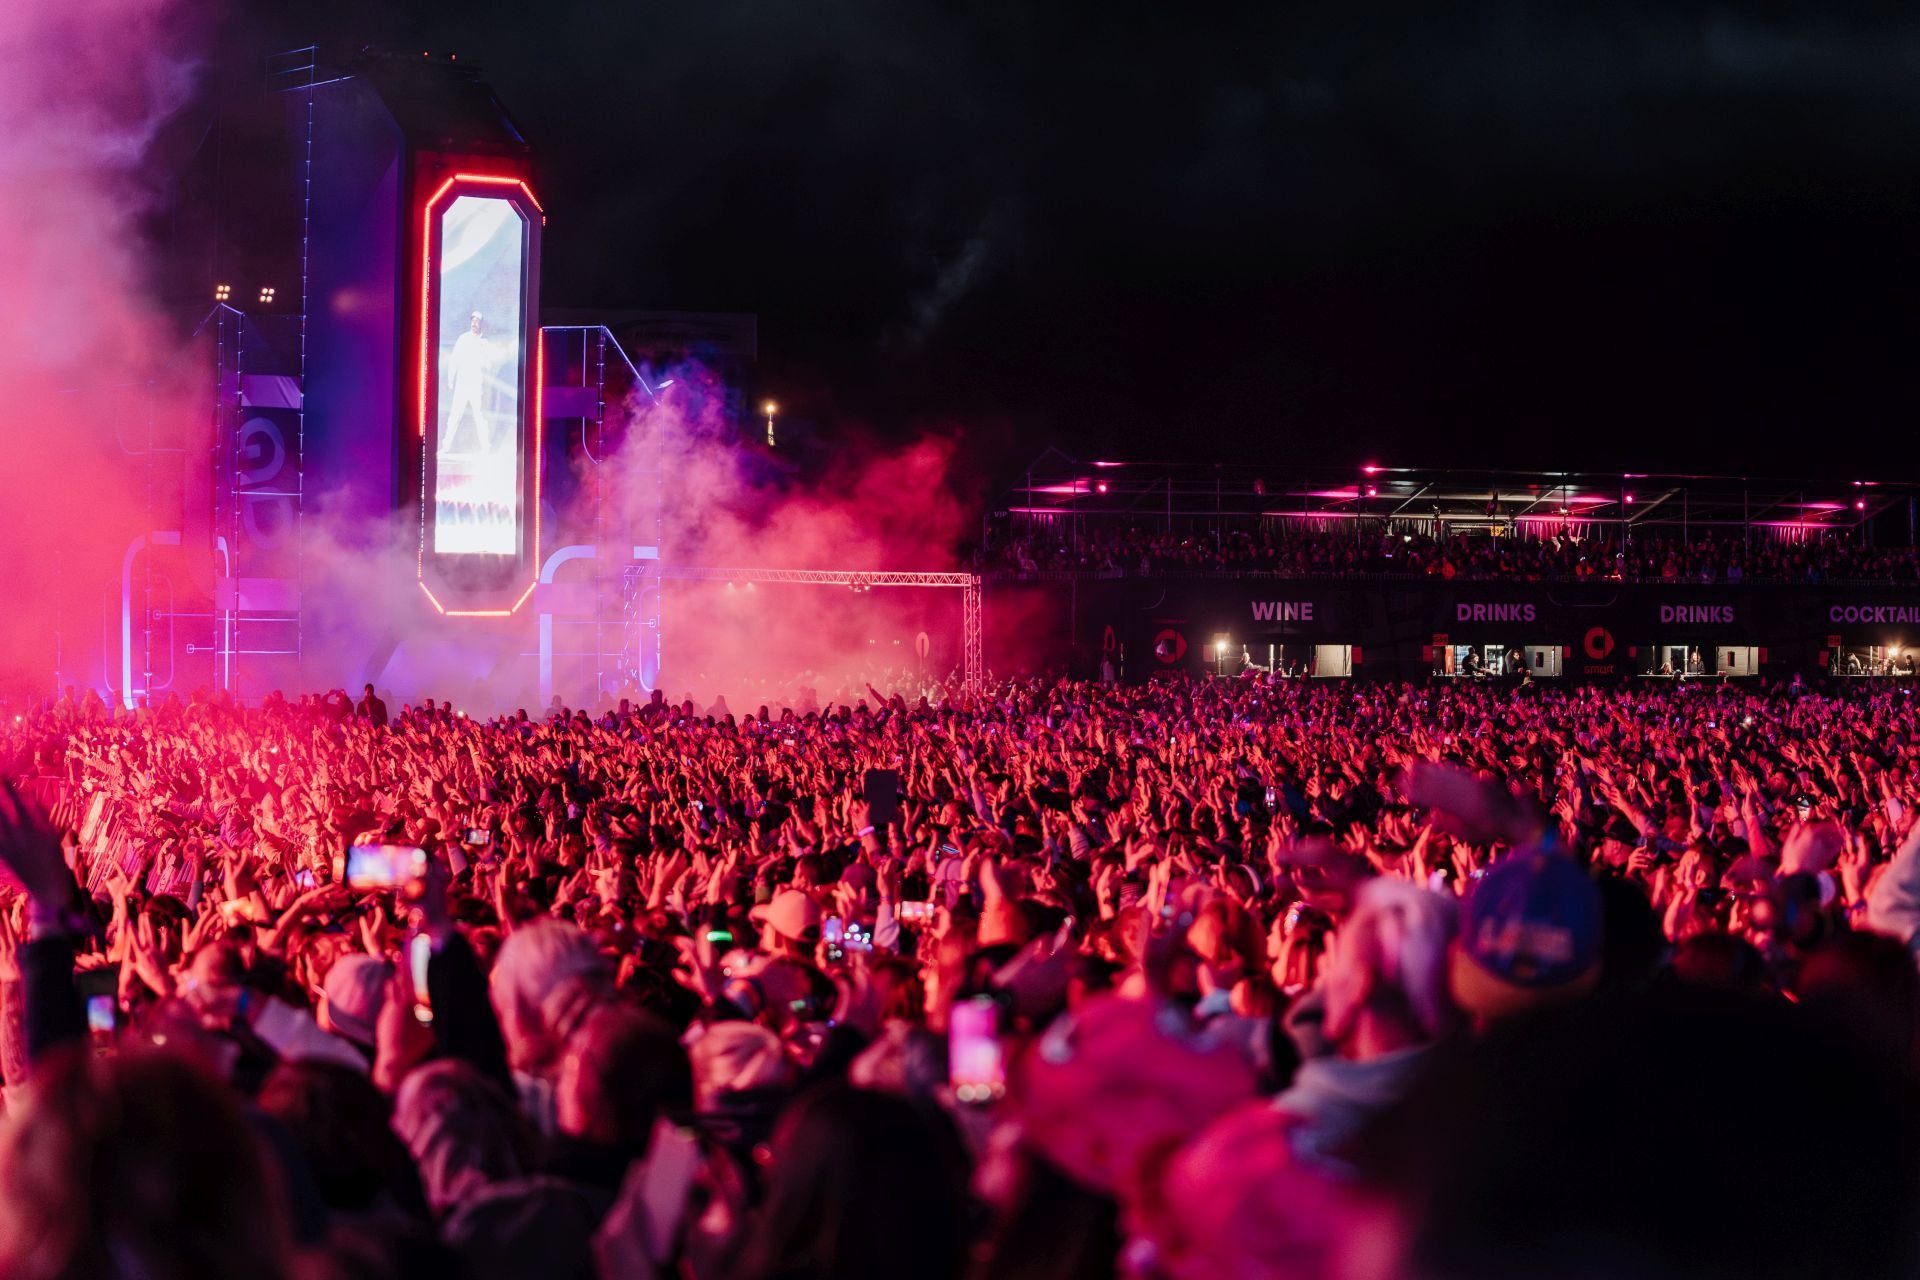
<point x="1860" y="504"/>
<point x="1629" y="499"/>
<point x="1370" y="469"/>
<point x="1373" y="491"/>
<point x="1101" y="487"/>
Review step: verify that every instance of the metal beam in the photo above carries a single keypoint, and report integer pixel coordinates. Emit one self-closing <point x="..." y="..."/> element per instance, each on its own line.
<point x="814" y="577"/>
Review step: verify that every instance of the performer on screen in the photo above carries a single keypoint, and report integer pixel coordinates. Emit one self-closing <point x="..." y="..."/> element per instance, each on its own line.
<point x="467" y="367"/>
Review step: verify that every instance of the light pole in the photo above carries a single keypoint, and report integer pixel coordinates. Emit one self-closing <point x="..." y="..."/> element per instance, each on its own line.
<point x="770" y="408"/>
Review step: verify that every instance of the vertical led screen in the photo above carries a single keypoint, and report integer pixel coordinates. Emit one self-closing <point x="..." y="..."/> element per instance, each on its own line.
<point x="480" y="337"/>
<point x="479" y="394"/>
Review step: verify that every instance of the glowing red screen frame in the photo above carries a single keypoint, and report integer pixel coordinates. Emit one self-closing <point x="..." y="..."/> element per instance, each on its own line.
<point x="456" y="184"/>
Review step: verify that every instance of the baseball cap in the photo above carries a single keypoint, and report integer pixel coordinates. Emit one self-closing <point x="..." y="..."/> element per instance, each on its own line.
<point x="1529" y="936"/>
<point x="1112" y="1083"/>
<point x="355" y="989"/>
<point x="791" y="914"/>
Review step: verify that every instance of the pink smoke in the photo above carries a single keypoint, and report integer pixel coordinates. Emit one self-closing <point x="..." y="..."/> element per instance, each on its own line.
<point x="87" y="83"/>
<point x="728" y="504"/>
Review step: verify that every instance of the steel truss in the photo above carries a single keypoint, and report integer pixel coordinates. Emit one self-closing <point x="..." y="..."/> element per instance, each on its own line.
<point x="972" y="605"/>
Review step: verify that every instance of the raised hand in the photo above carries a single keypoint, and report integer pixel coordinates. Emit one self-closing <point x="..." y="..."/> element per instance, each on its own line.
<point x="30" y="848"/>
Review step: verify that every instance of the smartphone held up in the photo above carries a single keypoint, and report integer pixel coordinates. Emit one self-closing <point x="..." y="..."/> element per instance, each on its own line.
<point x="381" y="866"/>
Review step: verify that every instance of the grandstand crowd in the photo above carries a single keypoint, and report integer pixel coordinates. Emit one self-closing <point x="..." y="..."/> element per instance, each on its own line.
<point x="1221" y="979"/>
<point x="1548" y="550"/>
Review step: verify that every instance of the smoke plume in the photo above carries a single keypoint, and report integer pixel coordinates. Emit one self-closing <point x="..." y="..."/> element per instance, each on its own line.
<point x="728" y="503"/>
<point x="89" y="424"/>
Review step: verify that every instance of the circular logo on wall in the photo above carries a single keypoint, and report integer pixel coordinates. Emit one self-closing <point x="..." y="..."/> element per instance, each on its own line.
<point x="1599" y="643"/>
<point x="1169" y="646"/>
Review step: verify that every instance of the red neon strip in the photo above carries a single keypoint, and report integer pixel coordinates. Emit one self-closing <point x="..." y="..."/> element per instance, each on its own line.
<point x="539" y="427"/>
<point x="491" y="613"/>
<point x="480" y="613"/>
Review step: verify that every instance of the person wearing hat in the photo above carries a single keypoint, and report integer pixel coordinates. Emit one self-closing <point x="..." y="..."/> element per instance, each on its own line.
<point x="789" y="924"/>
<point x="1235" y="1202"/>
<point x="1368" y="1031"/>
<point x="1530" y="936"/>
<point x="350" y="1001"/>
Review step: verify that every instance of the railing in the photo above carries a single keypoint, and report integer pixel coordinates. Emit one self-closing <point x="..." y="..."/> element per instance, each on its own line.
<point x="1255" y="575"/>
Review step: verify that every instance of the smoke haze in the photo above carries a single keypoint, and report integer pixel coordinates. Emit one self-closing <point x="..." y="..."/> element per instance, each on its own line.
<point x="86" y="407"/>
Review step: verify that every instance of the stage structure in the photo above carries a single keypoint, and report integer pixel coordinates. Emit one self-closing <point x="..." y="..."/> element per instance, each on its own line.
<point x="400" y="477"/>
<point x="643" y="630"/>
<point x="580" y="603"/>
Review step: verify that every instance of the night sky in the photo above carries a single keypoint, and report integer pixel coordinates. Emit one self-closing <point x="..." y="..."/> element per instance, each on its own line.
<point x="1664" y="237"/>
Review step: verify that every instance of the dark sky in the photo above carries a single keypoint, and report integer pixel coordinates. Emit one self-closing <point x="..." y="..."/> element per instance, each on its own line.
<point x="1668" y="237"/>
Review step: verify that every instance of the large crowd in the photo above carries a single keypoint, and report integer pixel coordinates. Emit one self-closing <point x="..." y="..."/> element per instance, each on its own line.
<point x="1551" y="551"/>
<point x="1225" y="979"/>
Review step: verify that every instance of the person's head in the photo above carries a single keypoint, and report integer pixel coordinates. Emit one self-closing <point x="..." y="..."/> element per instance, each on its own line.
<point x="789" y="924"/>
<point x="474" y="323"/>
<point x="1226" y="938"/>
<point x="368" y="690"/>
<point x="547" y="975"/>
<point x="622" y="1069"/>
<point x="1233" y="1203"/>
<point x="861" y="1185"/>
<point x="135" y="1165"/>
<point x="1530" y="935"/>
<point x="1866" y="983"/>
<point x="214" y="980"/>
<point x="350" y="1000"/>
<point x="1112" y="1083"/>
<point x="1386" y="984"/>
<point x="1722" y="961"/>
<point x="462" y="1129"/>
<point x="1633" y="1134"/>
<point x="732" y="1058"/>
<point x="343" y="1125"/>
